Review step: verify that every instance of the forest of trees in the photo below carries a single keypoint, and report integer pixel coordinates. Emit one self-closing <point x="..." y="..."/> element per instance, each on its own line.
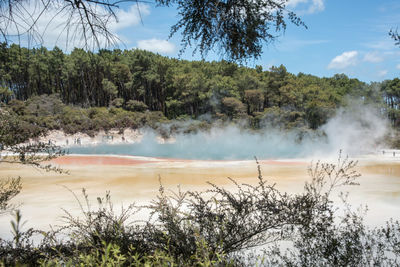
<point x="87" y="91"/>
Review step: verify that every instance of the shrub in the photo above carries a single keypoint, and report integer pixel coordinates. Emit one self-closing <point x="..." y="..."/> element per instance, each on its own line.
<point x="9" y="188"/>
<point x="74" y="120"/>
<point x="232" y="107"/>
<point x="17" y="106"/>
<point x="44" y="105"/>
<point x="134" y="105"/>
<point x="118" y="102"/>
<point x="154" y="118"/>
<point x="14" y="130"/>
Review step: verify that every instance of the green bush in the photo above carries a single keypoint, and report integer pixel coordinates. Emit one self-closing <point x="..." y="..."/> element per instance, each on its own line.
<point x="118" y="102"/>
<point x="44" y="105"/>
<point x="232" y="107"/>
<point x="14" y="130"/>
<point x="17" y="106"/>
<point x="134" y="105"/>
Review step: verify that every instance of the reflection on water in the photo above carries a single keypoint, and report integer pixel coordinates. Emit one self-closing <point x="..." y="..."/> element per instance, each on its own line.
<point x="44" y="194"/>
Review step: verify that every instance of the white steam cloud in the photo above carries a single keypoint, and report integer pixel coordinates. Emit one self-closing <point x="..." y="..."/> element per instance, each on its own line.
<point x="355" y="130"/>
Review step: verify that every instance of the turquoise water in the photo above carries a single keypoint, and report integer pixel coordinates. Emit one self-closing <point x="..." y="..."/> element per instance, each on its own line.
<point x="205" y="147"/>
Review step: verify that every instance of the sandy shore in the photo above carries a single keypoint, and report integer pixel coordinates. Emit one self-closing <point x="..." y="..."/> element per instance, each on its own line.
<point x="99" y="160"/>
<point x="59" y="138"/>
<point x="121" y="160"/>
<point x="137" y="179"/>
<point x="129" y="179"/>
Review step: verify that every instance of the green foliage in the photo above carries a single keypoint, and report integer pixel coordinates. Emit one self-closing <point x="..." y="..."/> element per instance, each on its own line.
<point x="17" y="106"/>
<point x="44" y="105"/>
<point x="134" y="105"/>
<point x="391" y="94"/>
<point x="232" y="107"/>
<point x="15" y="130"/>
<point x="117" y="102"/>
<point x="254" y="100"/>
<point x="75" y="120"/>
<point x="9" y="188"/>
<point x="135" y="88"/>
<point x="280" y="118"/>
<point x="109" y="255"/>
<point x="39" y="114"/>
<point x="348" y="242"/>
<point x="5" y="94"/>
<point x="109" y="89"/>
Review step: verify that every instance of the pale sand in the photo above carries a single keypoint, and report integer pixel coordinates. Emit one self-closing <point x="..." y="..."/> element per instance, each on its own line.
<point x="97" y="160"/>
<point x="136" y="179"/>
<point x="113" y="136"/>
<point x="59" y="138"/>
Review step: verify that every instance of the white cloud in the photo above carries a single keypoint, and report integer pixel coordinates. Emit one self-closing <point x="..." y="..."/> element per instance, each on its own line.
<point x="157" y="45"/>
<point x="307" y="6"/>
<point x="317" y="6"/>
<point x="373" y="57"/>
<point x="398" y="66"/>
<point x="382" y="73"/>
<point x="294" y="3"/>
<point x="344" y="60"/>
<point x="130" y="17"/>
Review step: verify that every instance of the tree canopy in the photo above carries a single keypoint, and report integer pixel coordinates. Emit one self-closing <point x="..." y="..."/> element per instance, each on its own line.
<point x="86" y="91"/>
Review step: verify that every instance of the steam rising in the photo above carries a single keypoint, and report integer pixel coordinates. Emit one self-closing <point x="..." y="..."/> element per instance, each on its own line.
<point x="355" y="130"/>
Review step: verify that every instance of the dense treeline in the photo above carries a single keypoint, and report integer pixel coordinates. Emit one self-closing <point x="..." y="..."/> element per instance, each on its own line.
<point x="136" y="80"/>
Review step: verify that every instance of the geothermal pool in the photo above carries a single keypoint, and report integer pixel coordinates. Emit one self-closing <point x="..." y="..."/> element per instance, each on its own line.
<point x="136" y="179"/>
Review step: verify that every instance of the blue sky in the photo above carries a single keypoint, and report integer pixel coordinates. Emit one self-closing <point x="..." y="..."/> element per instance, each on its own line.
<point x="348" y="37"/>
<point x="343" y="36"/>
